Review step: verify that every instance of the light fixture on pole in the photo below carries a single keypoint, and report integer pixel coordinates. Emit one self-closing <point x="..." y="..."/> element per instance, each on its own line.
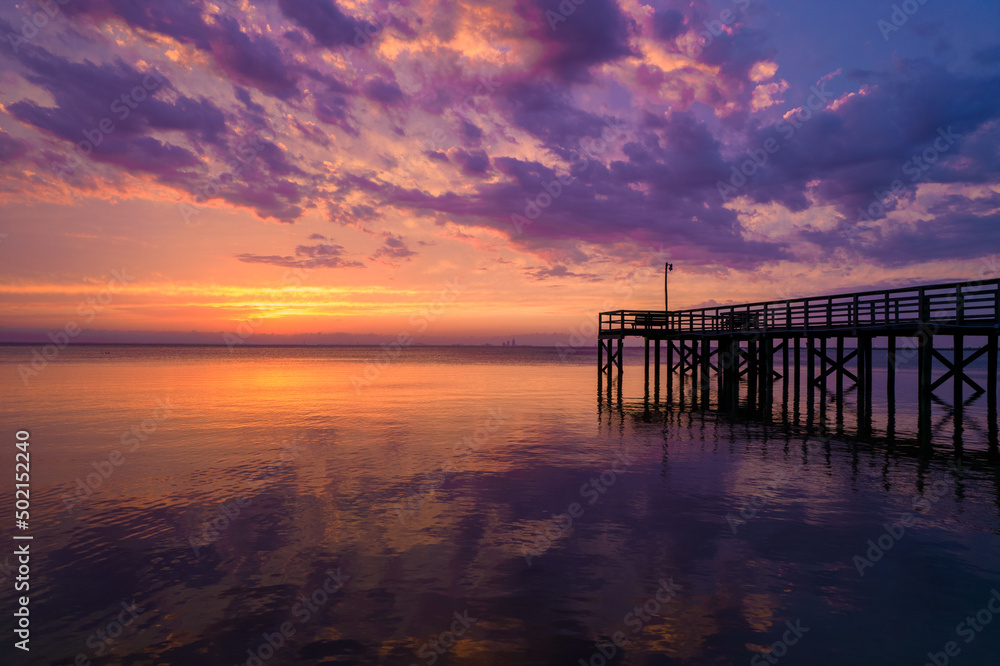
<point x="666" y="295"/>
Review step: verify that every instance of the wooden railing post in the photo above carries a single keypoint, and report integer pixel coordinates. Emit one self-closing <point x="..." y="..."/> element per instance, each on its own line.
<point x="996" y="302"/>
<point x="959" y="306"/>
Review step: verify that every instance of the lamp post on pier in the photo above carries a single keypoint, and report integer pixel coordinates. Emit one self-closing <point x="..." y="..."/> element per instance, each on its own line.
<point x="666" y="294"/>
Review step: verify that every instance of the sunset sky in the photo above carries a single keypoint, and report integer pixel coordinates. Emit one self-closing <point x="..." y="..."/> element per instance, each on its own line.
<point x="468" y="171"/>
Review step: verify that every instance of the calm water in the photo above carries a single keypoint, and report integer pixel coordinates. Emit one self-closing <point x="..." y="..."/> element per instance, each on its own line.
<point x="196" y="506"/>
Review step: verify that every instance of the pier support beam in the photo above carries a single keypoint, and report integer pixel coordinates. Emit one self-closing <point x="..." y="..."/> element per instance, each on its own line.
<point x="646" y="364"/>
<point x="729" y="367"/>
<point x="695" y="370"/>
<point x="991" y="389"/>
<point x="864" y="384"/>
<point x="890" y="388"/>
<point x="925" y="347"/>
<point x="705" y="356"/>
<point x="768" y="374"/>
<point x="720" y="371"/>
<point x="681" y="363"/>
<point x="798" y="366"/>
<point x="890" y="377"/>
<point x="670" y="370"/>
<point x="656" y="371"/>
<point x="784" y="363"/>
<point x="618" y="358"/>
<point x="822" y="383"/>
<point x="810" y="374"/>
<point x="958" y="383"/>
<point x="600" y="365"/>
<point x="840" y="372"/>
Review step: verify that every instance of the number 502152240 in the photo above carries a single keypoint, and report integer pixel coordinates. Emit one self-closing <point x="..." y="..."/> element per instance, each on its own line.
<point x="22" y="478"/>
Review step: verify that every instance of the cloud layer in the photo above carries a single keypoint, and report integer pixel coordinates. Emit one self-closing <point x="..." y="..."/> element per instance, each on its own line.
<point x="577" y="133"/>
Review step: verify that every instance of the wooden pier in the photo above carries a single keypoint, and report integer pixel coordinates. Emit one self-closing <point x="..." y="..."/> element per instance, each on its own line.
<point x="741" y="342"/>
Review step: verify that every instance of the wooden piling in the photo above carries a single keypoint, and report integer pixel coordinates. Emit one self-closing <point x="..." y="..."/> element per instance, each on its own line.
<point x="958" y="383"/>
<point x="646" y="383"/>
<point x="705" y="357"/>
<point x="670" y="370"/>
<point x="840" y="368"/>
<point x="619" y="360"/>
<point x="656" y="371"/>
<point x="925" y="346"/>
<point x="991" y="389"/>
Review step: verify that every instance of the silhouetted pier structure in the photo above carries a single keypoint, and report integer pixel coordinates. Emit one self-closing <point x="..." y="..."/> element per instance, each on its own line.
<point x="741" y="341"/>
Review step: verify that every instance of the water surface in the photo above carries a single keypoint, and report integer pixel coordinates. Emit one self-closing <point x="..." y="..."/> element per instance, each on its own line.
<point x="490" y="493"/>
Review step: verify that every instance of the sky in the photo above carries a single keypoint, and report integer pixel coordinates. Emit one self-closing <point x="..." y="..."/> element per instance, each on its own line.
<point x="468" y="171"/>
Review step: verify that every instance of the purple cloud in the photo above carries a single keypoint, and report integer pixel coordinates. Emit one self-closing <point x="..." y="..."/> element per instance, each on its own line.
<point x="321" y="255"/>
<point x="11" y="148"/>
<point x="328" y="25"/>
<point x="384" y="92"/>
<point x="394" y="248"/>
<point x="474" y="163"/>
<point x="579" y="36"/>
<point x="557" y="271"/>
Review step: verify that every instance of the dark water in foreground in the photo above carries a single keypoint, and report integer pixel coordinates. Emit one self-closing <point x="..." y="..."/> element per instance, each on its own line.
<point x="261" y="501"/>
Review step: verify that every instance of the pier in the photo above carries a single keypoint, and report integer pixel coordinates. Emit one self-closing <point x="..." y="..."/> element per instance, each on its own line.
<point x="745" y="348"/>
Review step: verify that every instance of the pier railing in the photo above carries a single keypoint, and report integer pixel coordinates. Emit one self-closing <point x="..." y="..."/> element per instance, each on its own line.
<point x="972" y="304"/>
